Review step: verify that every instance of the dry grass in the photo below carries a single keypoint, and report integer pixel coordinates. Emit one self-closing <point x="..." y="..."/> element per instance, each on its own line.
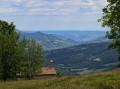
<point x="104" y="80"/>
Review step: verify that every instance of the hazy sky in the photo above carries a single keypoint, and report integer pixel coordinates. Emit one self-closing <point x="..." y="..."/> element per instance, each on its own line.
<point x="53" y="14"/>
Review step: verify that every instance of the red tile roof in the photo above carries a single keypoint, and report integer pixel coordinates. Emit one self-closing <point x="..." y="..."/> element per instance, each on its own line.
<point x="48" y="70"/>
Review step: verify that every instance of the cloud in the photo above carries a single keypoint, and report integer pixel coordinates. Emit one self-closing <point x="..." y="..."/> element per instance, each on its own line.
<point x="90" y="13"/>
<point x="79" y="2"/>
<point x="7" y="10"/>
<point x="16" y="1"/>
<point x="38" y="3"/>
<point x="52" y="7"/>
<point x="102" y="2"/>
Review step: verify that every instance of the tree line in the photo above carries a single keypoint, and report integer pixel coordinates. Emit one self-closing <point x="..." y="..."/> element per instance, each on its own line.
<point x="18" y="58"/>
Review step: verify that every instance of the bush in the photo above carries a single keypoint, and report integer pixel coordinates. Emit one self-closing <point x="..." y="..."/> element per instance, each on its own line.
<point x="58" y="75"/>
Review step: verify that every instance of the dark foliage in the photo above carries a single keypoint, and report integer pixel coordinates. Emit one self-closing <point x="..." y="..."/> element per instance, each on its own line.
<point x="111" y="19"/>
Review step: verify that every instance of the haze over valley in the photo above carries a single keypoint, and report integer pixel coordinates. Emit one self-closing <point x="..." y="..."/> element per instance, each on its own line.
<point x="60" y="39"/>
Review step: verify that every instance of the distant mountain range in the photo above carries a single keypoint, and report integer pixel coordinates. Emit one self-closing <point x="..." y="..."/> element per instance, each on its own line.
<point x="51" y="40"/>
<point x="77" y="37"/>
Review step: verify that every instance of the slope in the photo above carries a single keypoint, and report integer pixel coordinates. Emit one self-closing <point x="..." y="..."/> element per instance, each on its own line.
<point x="104" y="80"/>
<point x="84" y="58"/>
<point x="48" y="42"/>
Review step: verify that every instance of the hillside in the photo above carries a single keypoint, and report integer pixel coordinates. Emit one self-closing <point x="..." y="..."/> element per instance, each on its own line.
<point x="84" y="58"/>
<point x="51" y="40"/>
<point x="104" y="80"/>
<point x="48" y="42"/>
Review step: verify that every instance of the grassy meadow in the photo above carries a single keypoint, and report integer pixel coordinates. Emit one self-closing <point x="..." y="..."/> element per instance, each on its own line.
<point x="103" y="80"/>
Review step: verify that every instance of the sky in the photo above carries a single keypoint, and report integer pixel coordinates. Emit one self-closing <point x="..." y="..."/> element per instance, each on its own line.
<point x="31" y="15"/>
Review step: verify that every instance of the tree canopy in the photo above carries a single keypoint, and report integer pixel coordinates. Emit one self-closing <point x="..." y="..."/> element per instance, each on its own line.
<point x="111" y="19"/>
<point x="15" y="55"/>
<point x="36" y="57"/>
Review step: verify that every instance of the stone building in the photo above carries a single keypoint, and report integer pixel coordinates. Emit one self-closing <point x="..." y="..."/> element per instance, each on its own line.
<point x="48" y="70"/>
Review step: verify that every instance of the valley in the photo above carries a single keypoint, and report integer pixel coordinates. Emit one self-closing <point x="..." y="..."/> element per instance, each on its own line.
<point x="76" y="52"/>
<point x="84" y="58"/>
<point x="49" y="42"/>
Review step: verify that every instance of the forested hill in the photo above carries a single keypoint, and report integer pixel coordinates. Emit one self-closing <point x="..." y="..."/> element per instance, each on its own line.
<point x="48" y="42"/>
<point x="84" y="58"/>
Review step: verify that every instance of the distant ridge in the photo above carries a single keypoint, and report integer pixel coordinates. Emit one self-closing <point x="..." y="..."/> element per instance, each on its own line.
<point x="49" y="42"/>
<point x="76" y="36"/>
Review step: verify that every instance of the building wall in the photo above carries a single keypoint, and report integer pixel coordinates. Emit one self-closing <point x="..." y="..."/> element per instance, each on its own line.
<point x="44" y="76"/>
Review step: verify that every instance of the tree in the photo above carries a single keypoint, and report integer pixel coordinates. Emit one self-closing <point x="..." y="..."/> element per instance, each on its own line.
<point x="111" y="19"/>
<point x="23" y="58"/>
<point x="36" y="57"/>
<point x="9" y="46"/>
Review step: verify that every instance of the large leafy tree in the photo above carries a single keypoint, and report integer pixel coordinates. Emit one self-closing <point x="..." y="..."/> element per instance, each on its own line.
<point x="10" y="56"/>
<point x="111" y="19"/>
<point x="36" y="58"/>
<point x="18" y="58"/>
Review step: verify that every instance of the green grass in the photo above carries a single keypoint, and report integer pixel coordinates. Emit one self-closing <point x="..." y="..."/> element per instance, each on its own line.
<point x="103" y="80"/>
